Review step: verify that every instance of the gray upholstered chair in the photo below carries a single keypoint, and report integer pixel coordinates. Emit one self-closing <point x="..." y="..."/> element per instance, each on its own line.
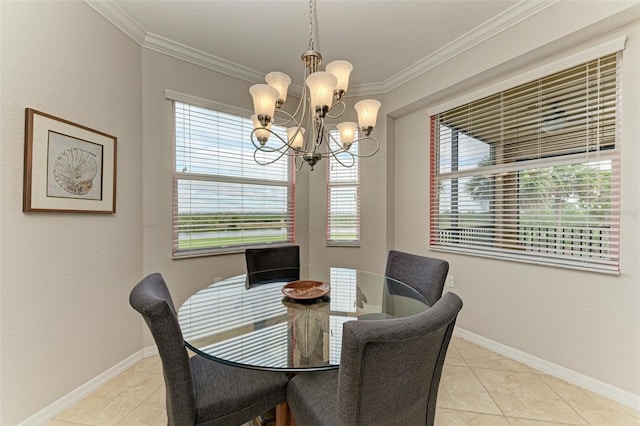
<point x="271" y="264"/>
<point x="389" y="372"/>
<point x="201" y="391"/>
<point x="425" y="274"/>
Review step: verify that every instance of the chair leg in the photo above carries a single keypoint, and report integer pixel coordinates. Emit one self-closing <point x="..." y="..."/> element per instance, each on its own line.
<point x="282" y="414"/>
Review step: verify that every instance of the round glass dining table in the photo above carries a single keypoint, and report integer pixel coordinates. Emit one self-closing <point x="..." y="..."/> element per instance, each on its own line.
<point x="251" y="323"/>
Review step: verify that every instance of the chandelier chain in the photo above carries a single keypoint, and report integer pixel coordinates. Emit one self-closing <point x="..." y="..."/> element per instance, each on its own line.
<point x="311" y="5"/>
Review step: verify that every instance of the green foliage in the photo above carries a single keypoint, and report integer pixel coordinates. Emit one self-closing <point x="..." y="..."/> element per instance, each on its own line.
<point x="215" y="242"/>
<point x="212" y="222"/>
<point x="567" y="193"/>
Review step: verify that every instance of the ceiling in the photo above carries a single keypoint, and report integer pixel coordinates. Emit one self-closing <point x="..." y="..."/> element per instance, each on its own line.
<point x="387" y="41"/>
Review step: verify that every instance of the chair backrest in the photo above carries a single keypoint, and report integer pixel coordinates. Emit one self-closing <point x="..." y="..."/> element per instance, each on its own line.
<point x="426" y="274"/>
<point x="271" y="264"/>
<point x="151" y="298"/>
<point x="390" y="369"/>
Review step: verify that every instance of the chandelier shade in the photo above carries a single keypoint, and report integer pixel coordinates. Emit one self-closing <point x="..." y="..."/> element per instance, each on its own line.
<point x="264" y="102"/>
<point x="295" y="137"/>
<point x="367" y="114"/>
<point x="321" y="101"/>
<point x="347" y="131"/>
<point x="321" y="85"/>
<point x="341" y="70"/>
<point x="279" y="81"/>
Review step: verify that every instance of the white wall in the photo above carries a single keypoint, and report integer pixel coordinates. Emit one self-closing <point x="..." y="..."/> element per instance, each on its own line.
<point x="65" y="278"/>
<point x="586" y="322"/>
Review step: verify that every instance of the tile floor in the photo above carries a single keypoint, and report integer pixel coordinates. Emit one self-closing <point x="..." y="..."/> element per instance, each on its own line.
<point x="478" y="387"/>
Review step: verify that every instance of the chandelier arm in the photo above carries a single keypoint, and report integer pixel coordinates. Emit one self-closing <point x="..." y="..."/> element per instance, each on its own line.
<point x="292" y="117"/>
<point x="344" y="108"/>
<point x="338" y="147"/>
<point x="329" y="152"/>
<point x="365" y="139"/>
<point x="320" y="137"/>
<point x="283" y="149"/>
<point x="343" y="164"/>
<point x="301" y="104"/>
<point x="265" y="163"/>
<point x="289" y="118"/>
<point x="341" y="149"/>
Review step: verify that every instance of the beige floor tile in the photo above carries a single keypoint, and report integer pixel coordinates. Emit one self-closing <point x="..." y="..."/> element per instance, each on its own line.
<point x="525" y="395"/>
<point x="455" y="340"/>
<point x="60" y="423"/>
<point x="596" y="409"/>
<point x="454" y="357"/>
<point x="152" y="411"/>
<point x="460" y="389"/>
<point x="114" y="401"/>
<point x="526" y="422"/>
<point x="445" y="417"/>
<point x="479" y="357"/>
<point x="149" y="365"/>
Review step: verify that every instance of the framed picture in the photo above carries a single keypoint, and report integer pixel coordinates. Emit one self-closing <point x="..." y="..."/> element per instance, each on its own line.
<point x="67" y="167"/>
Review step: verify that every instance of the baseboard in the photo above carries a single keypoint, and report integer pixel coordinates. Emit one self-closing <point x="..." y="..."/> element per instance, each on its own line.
<point x="45" y="415"/>
<point x="627" y="398"/>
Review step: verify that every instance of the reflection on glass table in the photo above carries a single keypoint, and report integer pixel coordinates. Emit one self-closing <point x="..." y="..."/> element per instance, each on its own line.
<point x="259" y="327"/>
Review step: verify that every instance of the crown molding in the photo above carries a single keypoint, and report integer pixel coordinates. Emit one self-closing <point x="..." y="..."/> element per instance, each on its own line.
<point x="198" y="57"/>
<point x="510" y="17"/>
<point x="517" y="13"/>
<point x="121" y="20"/>
<point x="366" y="89"/>
<point x="118" y="17"/>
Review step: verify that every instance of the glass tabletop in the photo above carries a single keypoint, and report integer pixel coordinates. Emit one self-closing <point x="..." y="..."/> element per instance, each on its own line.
<point x="249" y="322"/>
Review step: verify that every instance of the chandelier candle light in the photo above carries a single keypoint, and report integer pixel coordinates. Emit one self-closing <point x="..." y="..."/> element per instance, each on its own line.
<point x="322" y="99"/>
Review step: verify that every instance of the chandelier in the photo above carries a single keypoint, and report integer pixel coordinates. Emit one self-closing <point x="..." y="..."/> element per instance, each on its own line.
<point x="308" y="132"/>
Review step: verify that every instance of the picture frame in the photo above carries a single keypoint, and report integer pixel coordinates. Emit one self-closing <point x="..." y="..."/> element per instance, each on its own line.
<point x="67" y="167"/>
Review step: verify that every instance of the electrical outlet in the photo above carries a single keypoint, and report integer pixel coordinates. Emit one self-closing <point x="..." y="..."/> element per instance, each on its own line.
<point x="449" y="282"/>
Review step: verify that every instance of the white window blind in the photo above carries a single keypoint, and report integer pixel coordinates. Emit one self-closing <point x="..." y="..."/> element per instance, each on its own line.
<point x="222" y="199"/>
<point x="532" y="173"/>
<point x="343" y="197"/>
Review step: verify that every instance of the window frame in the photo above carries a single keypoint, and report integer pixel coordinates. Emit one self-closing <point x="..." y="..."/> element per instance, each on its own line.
<point x="204" y="178"/>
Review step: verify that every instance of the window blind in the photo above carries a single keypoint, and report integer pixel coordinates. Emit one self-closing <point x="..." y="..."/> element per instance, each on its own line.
<point x="222" y="199"/>
<point x="532" y="173"/>
<point x="343" y="197"/>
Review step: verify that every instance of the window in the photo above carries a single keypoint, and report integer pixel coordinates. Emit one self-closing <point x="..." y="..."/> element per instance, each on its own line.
<point x="532" y="173"/>
<point x="223" y="200"/>
<point x="343" y="197"/>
